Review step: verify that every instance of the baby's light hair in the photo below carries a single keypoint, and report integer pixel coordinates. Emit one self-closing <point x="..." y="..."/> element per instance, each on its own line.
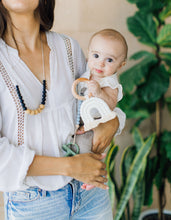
<point x="111" y="33"/>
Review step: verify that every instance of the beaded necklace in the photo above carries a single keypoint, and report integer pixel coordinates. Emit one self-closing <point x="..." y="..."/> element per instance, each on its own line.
<point x="43" y="101"/>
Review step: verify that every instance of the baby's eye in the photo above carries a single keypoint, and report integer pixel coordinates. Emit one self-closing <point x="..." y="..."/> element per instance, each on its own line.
<point x="95" y="55"/>
<point x="109" y="60"/>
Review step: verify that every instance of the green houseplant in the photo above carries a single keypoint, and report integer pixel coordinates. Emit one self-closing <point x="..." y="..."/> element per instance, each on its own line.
<point x="145" y="85"/>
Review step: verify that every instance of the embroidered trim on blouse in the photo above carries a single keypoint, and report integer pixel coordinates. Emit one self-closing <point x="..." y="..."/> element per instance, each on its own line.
<point x="12" y="90"/>
<point x="20" y="112"/>
<point x="69" y="54"/>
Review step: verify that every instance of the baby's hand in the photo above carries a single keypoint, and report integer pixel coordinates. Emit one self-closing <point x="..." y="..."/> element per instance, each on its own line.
<point x="94" y="88"/>
<point x="80" y="130"/>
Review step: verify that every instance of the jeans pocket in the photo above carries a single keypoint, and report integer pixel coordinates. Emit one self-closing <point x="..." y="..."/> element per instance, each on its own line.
<point x="24" y="195"/>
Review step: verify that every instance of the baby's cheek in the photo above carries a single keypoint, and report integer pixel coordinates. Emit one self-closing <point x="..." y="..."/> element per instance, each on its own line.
<point x="91" y="64"/>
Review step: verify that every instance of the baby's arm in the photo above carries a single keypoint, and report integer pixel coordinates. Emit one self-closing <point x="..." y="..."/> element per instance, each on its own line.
<point x="108" y="94"/>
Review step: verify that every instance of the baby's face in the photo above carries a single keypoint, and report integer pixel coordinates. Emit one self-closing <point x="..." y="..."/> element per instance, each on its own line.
<point x="105" y="56"/>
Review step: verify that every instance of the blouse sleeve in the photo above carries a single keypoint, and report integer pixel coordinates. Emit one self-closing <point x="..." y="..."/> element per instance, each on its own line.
<point x="14" y="163"/>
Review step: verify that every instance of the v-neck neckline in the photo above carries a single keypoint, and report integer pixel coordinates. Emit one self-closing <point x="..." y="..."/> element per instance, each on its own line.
<point x="15" y="51"/>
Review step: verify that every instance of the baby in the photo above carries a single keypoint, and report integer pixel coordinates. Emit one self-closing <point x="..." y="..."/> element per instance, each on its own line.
<point x="107" y="53"/>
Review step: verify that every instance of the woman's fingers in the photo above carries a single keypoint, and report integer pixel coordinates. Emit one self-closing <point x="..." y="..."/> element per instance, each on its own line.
<point x="103" y="134"/>
<point x="101" y="179"/>
<point x="103" y="173"/>
<point x="89" y="168"/>
<point x="100" y="185"/>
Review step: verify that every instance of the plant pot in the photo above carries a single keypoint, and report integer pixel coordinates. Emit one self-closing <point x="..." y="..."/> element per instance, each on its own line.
<point x="152" y="214"/>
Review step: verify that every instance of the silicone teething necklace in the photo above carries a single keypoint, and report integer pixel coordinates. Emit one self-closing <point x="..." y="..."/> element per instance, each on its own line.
<point x="43" y="101"/>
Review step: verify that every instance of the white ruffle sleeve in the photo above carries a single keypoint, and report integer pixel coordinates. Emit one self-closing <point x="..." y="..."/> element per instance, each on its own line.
<point x="14" y="163"/>
<point x="112" y="82"/>
<point x="122" y="119"/>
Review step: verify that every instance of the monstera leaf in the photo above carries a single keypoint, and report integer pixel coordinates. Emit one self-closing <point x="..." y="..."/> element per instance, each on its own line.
<point x="156" y="85"/>
<point x="164" y="37"/>
<point x="140" y="54"/>
<point x="166" y="12"/>
<point x="135" y="76"/>
<point x="166" y="143"/>
<point x="166" y="58"/>
<point x="148" y="6"/>
<point x="168" y="102"/>
<point x="136" y="108"/>
<point x="144" y="28"/>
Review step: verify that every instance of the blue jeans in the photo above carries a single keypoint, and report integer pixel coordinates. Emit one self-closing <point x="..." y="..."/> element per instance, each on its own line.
<point x="69" y="203"/>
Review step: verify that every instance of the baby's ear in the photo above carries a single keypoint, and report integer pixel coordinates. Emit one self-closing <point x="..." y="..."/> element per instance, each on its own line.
<point x="123" y="63"/>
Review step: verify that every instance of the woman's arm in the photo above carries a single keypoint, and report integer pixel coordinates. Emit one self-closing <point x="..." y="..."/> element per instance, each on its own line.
<point x="103" y="135"/>
<point x="87" y="168"/>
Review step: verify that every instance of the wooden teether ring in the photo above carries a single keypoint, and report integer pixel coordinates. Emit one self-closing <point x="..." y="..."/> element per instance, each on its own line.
<point x="74" y="86"/>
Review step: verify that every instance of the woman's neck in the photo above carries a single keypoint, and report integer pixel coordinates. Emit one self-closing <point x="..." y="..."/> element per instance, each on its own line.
<point x="23" y="31"/>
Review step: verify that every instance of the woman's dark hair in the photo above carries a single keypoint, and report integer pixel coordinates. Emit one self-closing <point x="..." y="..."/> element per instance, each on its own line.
<point x="45" y="12"/>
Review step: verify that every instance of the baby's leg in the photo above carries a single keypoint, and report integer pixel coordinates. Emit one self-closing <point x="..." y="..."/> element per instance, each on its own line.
<point x="85" y="142"/>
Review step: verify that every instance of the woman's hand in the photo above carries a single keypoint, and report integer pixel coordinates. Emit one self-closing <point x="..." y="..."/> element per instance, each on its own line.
<point x="89" y="169"/>
<point x="103" y="135"/>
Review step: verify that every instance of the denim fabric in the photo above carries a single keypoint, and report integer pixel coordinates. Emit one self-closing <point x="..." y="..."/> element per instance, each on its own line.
<point x="69" y="203"/>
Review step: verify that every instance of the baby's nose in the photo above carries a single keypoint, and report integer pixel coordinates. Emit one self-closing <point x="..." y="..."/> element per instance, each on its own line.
<point x="101" y="63"/>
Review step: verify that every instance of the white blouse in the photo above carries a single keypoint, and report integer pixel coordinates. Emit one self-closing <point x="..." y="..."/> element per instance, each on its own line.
<point x="21" y="135"/>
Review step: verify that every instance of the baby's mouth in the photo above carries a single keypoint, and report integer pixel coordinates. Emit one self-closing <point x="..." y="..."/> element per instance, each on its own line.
<point x="98" y="71"/>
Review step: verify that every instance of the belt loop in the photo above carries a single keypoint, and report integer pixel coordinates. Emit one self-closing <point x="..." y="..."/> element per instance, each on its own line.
<point x="44" y="193"/>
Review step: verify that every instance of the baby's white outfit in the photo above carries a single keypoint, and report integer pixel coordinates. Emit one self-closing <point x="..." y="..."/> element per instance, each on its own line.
<point x="108" y="81"/>
<point x="85" y="140"/>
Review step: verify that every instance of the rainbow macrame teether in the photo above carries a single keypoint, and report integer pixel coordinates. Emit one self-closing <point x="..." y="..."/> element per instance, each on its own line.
<point x="88" y="105"/>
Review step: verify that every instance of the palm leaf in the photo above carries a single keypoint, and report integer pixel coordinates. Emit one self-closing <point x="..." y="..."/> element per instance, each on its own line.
<point x="138" y="199"/>
<point x="110" y="161"/>
<point x="138" y="140"/>
<point x="133" y="175"/>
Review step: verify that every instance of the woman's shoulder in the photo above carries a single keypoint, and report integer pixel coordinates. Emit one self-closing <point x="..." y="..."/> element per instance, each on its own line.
<point x="54" y="37"/>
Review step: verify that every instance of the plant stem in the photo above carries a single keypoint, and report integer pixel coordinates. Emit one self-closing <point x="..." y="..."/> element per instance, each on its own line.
<point x="158" y="131"/>
<point x="158" y="124"/>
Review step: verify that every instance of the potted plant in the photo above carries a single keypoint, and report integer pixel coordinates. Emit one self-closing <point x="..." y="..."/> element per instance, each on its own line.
<point x="145" y="85"/>
<point x="132" y="166"/>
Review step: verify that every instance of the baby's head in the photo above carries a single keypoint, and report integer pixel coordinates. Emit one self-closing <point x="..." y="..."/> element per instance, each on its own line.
<point x="107" y="52"/>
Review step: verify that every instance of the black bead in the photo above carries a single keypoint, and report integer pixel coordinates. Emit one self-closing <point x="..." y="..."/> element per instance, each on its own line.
<point x="21" y="98"/>
<point x="44" y="83"/>
<point x="23" y="104"/>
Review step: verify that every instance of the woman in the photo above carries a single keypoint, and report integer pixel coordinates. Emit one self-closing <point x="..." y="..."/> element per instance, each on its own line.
<point x="39" y="183"/>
